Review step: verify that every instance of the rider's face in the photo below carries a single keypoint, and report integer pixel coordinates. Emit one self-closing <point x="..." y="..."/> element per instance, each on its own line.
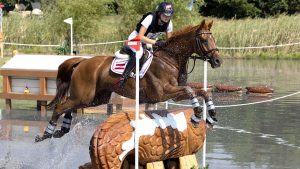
<point x="165" y="18"/>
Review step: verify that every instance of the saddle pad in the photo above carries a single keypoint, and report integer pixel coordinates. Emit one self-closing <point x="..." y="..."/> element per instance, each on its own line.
<point x="118" y="65"/>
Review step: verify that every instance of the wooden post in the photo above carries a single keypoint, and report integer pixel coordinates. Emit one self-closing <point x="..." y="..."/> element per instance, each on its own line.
<point x="1" y="44"/>
<point x="6" y="88"/>
<point x="110" y="108"/>
<point x="43" y="91"/>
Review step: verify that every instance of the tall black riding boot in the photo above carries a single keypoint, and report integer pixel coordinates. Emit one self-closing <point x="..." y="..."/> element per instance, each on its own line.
<point x="129" y="67"/>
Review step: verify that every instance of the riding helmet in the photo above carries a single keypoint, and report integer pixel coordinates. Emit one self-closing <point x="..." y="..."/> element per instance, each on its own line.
<point x="166" y="8"/>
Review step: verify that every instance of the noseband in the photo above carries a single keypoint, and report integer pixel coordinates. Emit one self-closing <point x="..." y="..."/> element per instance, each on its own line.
<point x="204" y="55"/>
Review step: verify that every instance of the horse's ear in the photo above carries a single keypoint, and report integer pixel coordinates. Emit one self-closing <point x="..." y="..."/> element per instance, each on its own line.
<point x="210" y="24"/>
<point x="202" y="24"/>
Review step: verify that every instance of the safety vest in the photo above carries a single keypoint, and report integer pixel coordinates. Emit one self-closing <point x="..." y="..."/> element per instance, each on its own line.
<point x="153" y="27"/>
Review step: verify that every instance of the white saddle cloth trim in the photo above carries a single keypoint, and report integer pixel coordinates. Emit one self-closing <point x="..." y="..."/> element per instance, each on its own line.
<point x="121" y="56"/>
<point x="118" y="65"/>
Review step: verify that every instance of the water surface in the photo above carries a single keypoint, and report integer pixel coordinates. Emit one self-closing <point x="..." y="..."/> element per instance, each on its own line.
<point x="264" y="136"/>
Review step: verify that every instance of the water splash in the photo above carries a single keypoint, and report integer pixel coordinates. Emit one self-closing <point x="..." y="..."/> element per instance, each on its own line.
<point x="70" y="151"/>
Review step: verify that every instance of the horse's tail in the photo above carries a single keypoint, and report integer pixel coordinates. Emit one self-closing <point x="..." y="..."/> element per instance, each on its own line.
<point x="63" y="79"/>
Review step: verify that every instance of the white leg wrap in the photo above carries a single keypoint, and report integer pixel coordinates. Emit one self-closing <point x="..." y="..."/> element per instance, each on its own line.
<point x="50" y="128"/>
<point x="196" y="119"/>
<point x="195" y="102"/>
<point x="67" y="123"/>
<point x="66" y="120"/>
<point x="211" y="107"/>
<point x="209" y="103"/>
<point x="211" y="121"/>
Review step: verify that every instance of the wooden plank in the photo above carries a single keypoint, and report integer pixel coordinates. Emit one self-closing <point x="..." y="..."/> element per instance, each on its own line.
<point x="20" y="90"/>
<point x="188" y="161"/>
<point x="155" y="165"/>
<point x="22" y="96"/>
<point x="28" y="73"/>
<point x="25" y="81"/>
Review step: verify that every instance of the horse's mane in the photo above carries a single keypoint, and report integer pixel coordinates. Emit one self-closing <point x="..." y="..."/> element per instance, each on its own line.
<point x="182" y="32"/>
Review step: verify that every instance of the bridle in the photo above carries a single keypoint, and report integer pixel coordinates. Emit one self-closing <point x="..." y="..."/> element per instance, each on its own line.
<point x="200" y="51"/>
<point x="204" y="55"/>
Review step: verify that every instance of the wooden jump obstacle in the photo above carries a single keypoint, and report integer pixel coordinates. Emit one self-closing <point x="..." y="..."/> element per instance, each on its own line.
<point x="33" y="77"/>
<point x="166" y="136"/>
<point x="30" y="77"/>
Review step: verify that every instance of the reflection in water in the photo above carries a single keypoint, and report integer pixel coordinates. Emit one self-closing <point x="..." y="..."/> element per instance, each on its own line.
<point x="264" y="136"/>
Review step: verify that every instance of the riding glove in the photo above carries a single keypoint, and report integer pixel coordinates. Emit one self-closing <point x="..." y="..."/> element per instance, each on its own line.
<point x="160" y="43"/>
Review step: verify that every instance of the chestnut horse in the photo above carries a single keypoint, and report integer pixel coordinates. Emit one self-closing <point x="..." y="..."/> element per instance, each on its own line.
<point x="90" y="82"/>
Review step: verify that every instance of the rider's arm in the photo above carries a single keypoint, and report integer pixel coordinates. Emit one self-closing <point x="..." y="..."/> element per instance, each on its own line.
<point x="145" y="39"/>
<point x="168" y="35"/>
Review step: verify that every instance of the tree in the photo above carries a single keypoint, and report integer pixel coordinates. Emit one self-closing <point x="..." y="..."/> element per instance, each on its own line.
<point x="132" y="12"/>
<point x="84" y="14"/>
<point x="229" y="9"/>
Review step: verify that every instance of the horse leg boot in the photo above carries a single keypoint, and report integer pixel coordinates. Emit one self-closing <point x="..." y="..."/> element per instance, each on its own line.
<point x="211" y="119"/>
<point x="48" y="132"/>
<point x="58" y="111"/>
<point x="129" y="67"/>
<point x="196" y="117"/>
<point x="65" y="128"/>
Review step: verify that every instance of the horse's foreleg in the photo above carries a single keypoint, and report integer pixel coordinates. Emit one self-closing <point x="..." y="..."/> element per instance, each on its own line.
<point x="186" y="92"/>
<point x="210" y="106"/>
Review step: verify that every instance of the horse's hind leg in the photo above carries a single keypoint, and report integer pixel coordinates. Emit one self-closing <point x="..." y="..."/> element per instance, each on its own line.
<point x="65" y="107"/>
<point x="101" y="98"/>
<point x="66" y="125"/>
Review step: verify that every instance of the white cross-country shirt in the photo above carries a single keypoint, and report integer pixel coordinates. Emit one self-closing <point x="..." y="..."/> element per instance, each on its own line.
<point x="146" y="23"/>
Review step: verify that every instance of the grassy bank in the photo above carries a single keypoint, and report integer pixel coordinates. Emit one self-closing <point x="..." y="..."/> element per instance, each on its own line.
<point x="229" y="33"/>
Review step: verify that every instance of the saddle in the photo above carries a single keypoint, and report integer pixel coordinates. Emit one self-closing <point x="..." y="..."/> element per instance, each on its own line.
<point x="121" y="59"/>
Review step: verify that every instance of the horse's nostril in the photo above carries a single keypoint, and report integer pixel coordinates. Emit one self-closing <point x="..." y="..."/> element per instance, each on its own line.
<point x="217" y="61"/>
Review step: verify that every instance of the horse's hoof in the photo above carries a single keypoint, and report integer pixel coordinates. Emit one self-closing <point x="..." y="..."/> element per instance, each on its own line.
<point x="60" y="133"/>
<point x="195" y="124"/>
<point x="45" y="136"/>
<point x="195" y="121"/>
<point x="211" y="121"/>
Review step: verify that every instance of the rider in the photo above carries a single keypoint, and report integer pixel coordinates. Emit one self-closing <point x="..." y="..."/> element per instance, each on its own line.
<point x="149" y="28"/>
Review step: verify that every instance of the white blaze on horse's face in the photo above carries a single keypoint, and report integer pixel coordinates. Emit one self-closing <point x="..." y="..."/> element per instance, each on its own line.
<point x="176" y="121"/>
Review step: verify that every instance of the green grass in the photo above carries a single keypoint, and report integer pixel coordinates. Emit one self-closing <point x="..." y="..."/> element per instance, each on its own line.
<point x="228" y="33"/>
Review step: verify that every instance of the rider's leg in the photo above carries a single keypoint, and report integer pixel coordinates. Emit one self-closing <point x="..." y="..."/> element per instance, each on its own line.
<point x="129" y="67"/>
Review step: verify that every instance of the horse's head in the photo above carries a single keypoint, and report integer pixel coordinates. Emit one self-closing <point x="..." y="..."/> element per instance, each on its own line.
<point x="205" y="44"/>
